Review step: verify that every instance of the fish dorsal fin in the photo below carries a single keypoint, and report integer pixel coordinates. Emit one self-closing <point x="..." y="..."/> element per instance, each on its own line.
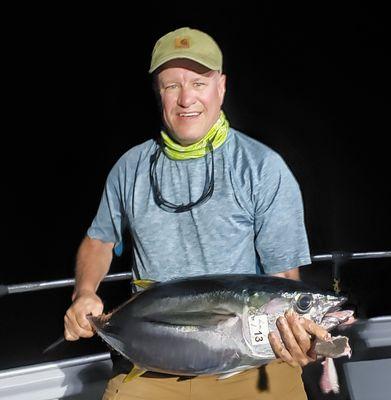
<point x="134" y="373"/>
<point x="144" y="283"/>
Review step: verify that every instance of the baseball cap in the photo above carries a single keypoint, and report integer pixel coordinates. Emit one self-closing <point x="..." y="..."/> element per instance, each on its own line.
<point x="187" y="43"/>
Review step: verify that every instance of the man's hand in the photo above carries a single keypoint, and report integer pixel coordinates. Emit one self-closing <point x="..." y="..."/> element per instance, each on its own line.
<point x="76" y="324"/>
<point x="297" y="335"/>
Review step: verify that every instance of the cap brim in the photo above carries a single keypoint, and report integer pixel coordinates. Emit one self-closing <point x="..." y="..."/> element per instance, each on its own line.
<point x="212" y="66"/>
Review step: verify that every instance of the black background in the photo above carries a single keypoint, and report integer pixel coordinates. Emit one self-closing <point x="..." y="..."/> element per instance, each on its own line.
<point x="310" y="82"/>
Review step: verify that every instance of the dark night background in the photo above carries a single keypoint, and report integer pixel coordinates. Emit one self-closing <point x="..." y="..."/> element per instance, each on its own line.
<point x="310" y="82"/>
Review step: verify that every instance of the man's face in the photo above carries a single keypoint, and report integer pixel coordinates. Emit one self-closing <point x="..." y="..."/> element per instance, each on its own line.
<point x="191" y="97"/>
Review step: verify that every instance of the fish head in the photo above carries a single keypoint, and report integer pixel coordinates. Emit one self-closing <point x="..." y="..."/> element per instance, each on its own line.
<point x="324" y="308"/>
<point x="319" y="306"/>
<point x="263" y="308"/>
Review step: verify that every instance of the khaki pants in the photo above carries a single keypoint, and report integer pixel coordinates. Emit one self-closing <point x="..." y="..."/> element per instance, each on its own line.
<point x="275" y="381"/>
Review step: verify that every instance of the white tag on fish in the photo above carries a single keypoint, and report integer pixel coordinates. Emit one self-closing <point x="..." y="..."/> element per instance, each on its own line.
<point x="259" y="329"/>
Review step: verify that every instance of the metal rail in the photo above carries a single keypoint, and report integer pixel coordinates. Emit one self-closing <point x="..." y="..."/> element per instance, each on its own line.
<point x="34" y="286"/>
<point x="82" y="378"/>
<point x="351" y="256"/>
<point x="21" y="371"/>
<point x="337" y="257"/>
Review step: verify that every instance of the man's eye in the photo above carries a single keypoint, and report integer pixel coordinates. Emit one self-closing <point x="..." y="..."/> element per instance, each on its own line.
<point x="199" y="84"/>
<point x="173" y="86"/>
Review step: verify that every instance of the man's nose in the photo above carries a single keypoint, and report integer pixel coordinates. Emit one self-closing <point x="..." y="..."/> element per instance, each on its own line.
<point x="186" y="97"/>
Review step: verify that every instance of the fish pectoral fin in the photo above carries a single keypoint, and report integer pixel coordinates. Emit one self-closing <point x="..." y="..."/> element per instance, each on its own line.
<point x="190" y="318"/>
<point x="134" y="373"/>
<point x="144" y="283"/>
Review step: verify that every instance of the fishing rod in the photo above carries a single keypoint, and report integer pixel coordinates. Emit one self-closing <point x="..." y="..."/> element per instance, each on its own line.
<point x="338" y="258"/>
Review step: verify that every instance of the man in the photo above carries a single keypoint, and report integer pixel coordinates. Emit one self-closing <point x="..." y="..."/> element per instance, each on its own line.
<point x="205" y="199"/>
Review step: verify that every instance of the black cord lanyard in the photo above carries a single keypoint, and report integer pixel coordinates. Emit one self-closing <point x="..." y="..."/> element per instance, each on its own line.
<point x="179" y="208"/>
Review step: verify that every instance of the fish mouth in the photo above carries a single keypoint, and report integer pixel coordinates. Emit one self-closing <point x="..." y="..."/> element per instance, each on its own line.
<point x="336" y="317"/>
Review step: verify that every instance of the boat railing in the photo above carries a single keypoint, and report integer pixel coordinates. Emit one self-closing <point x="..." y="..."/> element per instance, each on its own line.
<point x="338" y="258"/>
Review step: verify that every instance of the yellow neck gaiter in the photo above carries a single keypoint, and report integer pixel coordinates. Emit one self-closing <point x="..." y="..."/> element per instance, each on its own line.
<point x="216" y="137"/>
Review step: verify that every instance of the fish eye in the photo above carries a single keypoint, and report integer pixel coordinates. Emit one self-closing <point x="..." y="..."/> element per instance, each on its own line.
<point x="303" y="303"/>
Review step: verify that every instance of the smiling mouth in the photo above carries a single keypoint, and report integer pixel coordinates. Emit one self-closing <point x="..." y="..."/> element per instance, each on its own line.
<point x="189" y="114"/>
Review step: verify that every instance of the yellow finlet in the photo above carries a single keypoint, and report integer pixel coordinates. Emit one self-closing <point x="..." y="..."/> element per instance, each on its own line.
<point x="134" y="373"/>
<point x="143" y="283"/>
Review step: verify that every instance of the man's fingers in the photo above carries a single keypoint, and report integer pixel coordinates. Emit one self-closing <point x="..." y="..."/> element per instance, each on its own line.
<point x="290" y="342"/>
<point x="280" y="350"/>
<point x="97" y="310"/>
<point x="82" y="321"/>
<point x="73" y="330"/>
<point x="301" y="335"/>
<point x="76" y="322"/>
<point x="297" y="334"/>
<point x="314" y="329"/>
<point x="69" y="336"/>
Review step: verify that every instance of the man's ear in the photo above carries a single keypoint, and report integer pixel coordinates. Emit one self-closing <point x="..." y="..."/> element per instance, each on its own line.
<point x="221" y="87"/>
<point x="156" y="91"/>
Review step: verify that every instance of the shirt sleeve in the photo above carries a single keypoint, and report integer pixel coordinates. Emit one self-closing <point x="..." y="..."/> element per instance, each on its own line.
<point x="280" y="234"/>
<point x="109" y="221"/>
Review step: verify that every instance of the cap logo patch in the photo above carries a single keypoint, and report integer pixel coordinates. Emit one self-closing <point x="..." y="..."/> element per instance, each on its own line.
<point x="182" y="42"/>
